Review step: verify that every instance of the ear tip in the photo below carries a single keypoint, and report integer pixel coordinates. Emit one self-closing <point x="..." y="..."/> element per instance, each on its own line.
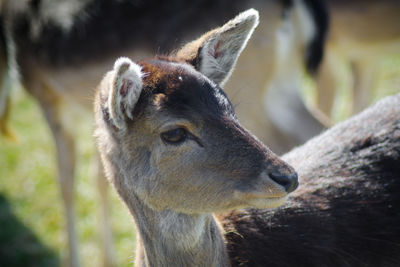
<point x="250" y="15"/>
<point x="123" y="64"/>
<point x="251" y="12"/>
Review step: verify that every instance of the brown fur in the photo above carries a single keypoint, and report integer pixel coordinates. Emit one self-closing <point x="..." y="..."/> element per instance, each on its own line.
<point x="346" y="211"/>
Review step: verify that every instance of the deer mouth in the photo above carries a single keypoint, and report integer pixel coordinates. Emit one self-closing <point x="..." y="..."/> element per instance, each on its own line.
<point x="263" y="200"/>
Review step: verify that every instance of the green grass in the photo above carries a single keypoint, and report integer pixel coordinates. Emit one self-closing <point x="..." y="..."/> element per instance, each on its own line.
<point x="29" y="186"/>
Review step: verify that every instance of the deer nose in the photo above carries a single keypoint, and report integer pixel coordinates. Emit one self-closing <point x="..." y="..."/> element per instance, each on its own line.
<point x="289" y="181"/>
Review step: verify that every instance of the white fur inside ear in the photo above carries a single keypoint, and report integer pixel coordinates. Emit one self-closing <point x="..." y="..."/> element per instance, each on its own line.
<point x="125" y="88"/>
<point x="222" y="49"/>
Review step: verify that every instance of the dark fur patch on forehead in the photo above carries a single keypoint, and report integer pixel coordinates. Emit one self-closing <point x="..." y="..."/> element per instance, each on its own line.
<point x="177" y="87"/>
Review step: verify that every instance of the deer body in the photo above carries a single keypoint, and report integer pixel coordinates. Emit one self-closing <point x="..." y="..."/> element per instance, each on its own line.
<point x="346" y="211"/>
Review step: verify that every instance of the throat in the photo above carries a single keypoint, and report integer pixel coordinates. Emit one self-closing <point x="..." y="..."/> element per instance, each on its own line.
<point x="168" y="238"/>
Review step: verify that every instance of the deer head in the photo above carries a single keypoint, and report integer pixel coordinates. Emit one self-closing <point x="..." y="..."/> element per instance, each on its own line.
<point x="169" y="137"/>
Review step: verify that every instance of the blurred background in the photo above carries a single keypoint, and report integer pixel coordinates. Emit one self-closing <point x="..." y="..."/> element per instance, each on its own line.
<point x="361" y="65"/>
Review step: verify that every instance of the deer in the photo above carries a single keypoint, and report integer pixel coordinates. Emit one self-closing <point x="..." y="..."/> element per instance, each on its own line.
<point x="359" y="39"/>
<point x="59" y="50"/>
<point x="174" y="150"/>
<point x="200" y="187"/>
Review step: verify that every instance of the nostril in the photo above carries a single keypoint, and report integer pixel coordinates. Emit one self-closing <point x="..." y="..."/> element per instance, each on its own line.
<point x="288" y="181"/>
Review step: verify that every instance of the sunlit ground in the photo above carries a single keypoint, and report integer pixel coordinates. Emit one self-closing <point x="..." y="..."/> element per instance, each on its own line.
<point x="31" y="194"/>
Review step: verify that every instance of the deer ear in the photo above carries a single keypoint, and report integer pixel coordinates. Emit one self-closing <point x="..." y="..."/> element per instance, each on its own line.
<point x="215" y="53"/>
<point x="125" y="86"/>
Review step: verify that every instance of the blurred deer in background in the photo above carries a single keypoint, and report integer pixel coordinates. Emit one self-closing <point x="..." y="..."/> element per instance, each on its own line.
<point x="360" y="33"/>
<point x="59" y="50"/>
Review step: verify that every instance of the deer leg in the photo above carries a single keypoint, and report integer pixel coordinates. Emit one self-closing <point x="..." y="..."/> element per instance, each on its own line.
<point x="364" y="77"/>
<point x="65" y="146"/>
<point x="327" y="83"/>
<point x="106" y="233"/>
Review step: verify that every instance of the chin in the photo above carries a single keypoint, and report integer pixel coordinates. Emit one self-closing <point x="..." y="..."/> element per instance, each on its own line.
<point x="266" y="203"/>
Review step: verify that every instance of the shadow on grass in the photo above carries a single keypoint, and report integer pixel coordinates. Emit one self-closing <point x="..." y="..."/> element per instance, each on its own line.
<point x="18" y="245"/>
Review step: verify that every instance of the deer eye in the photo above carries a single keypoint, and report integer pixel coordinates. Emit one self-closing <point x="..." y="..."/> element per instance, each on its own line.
<point x="174" y="136"/>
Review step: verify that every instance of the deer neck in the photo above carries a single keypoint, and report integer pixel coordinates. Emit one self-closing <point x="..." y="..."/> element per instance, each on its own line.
<point x="168" y="238"/>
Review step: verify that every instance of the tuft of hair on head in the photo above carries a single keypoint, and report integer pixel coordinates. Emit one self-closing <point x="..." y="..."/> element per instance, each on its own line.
<point x="125" y="87"/>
